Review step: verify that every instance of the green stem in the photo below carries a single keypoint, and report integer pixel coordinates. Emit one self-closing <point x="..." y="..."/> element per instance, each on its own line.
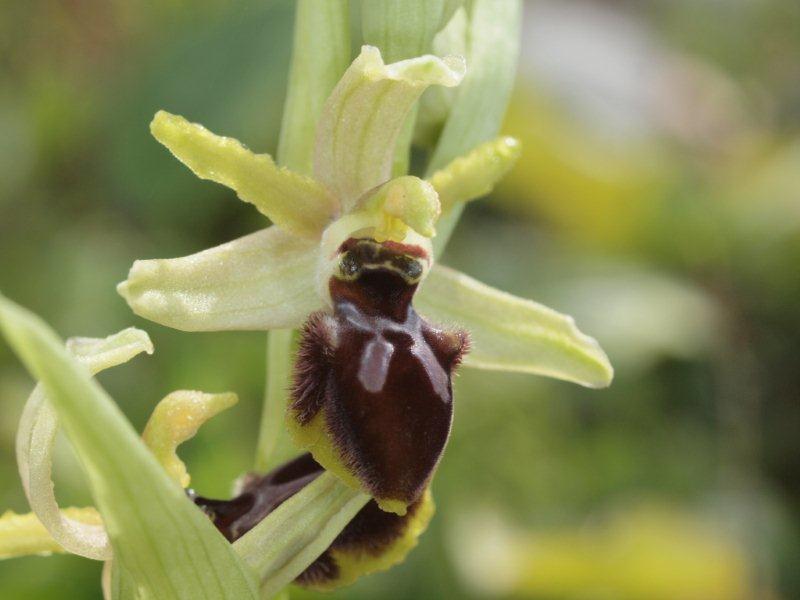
<point x="320" y="54"/>
<point x="273" y="443"/>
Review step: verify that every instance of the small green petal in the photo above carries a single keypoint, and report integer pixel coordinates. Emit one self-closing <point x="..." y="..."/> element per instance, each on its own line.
<point x="36" y="438"/>
<point x="169" y="547"/>
<point x="24" y="535"/>
<point x="293" y="201"/>
<point x="512" y="334"/>
<point x="475" y="175"/>
<point x="364" y="115"/>
<point x="265" y="280"/>
<point x="282" y="546"/>
<point x="176" y="419"/>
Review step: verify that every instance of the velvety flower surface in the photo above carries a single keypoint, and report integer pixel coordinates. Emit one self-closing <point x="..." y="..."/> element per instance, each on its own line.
<point x="349" y="259"/>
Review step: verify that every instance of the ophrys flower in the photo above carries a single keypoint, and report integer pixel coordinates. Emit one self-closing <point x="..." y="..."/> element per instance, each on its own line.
<point x="347" y="251"/>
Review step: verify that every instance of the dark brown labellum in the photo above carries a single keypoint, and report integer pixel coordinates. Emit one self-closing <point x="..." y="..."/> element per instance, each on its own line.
<point x="372" y="396"/>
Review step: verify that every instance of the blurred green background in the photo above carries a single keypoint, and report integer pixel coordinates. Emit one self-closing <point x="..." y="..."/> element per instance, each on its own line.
<point x="657" y="200"/>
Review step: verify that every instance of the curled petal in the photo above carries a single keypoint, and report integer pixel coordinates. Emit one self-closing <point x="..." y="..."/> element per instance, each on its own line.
<point x="512" y="334"/>
<point x="36" y="437"/>
<point x="145" y="513"/>
<point x="474" y="175"/>
<point x="373" y="540"/>
<point x="99" y="354"/>
<point x="176" y="419"/>
<point x="293" y="201"/>
<point x="264" y="280"/>
<point x="357" y="133"/>
<point x="24" y="535"/>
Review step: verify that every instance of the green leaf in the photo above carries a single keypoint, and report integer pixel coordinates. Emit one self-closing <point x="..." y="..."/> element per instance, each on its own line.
<point x="474" y="175"/>
<point x="320" y="55"/>
<point x="361" y="120"/>
<point x="510" y="333"/>
<point x="291" y="200"/>
<point x="481" y="100"/>
<point x="282" y="546"/>
<point x="261" y="281"/>
<point x="36" y="437"/>
<point x="169" y="547"/>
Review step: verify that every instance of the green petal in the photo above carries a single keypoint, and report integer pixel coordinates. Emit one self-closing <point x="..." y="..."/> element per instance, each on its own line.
<point x="512" y="334"/>
<point x="293" y="201"/>
<point x="475" y="175"/>
<point x="358" y="130"/>
<point x="264" y="280"/>
<point x="320" y="55"/>
<point x="37" y="434"/>
<point x="168" y="546"/>
<point x="403" y="29"/>
<point x="282" y="546"/>
<point x="176" y="419"/>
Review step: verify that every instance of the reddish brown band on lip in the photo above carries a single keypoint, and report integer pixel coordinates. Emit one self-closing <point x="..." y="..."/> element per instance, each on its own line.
<point x="395" y="247"/>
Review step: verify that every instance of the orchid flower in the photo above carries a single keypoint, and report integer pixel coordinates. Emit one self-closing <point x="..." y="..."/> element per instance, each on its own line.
<point x="345" y="255"/>
<point x="350" y="261"/>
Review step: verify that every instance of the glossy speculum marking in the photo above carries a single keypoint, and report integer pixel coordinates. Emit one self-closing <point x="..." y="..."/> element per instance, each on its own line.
<point x="374" y="539"/>
<point x="374" y="378"/>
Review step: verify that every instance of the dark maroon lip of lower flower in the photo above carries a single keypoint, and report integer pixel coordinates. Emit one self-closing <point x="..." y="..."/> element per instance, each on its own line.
<point x="370" y="532"/>
<point x="380" y="374"/>
<point x="260" y="495"/>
